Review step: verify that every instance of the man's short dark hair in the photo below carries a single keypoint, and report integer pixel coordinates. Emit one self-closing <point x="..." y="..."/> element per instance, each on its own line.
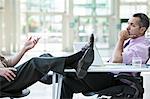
<point x="144" y="20"/>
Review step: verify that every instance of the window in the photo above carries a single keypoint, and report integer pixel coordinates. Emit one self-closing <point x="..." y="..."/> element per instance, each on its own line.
<point x="89" y="7"/>
<point x="129" y="10"/>
<point x="43" y="18"/>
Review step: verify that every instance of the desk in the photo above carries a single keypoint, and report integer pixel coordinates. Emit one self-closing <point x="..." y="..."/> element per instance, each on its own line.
<point x="107" y="68"/>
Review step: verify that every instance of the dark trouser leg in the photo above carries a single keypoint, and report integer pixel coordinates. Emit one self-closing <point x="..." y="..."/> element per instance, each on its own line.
<point x="71" y="61"/>
<point x="47" y="79"/>
<point x="30" y="72"/>
<point x="70" y="86"/>
<point x="92" y="82"/>
<point x="57" y="64"/>
<point x="26" y="76"/>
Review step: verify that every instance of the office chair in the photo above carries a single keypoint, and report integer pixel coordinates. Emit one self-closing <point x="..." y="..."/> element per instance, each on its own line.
<point x="132" y="88"/>
<point x="20" y="94"/>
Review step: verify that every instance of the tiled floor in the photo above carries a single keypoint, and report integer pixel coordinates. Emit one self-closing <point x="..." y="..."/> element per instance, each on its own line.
<point x="42" y="91"/>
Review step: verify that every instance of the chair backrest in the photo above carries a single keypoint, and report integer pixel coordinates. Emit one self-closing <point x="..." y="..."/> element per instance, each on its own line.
<point x="114" y="90"/>
<point x="132" y="88"/>
<point x="19" y="94"/>
<point x="148" y="54"/>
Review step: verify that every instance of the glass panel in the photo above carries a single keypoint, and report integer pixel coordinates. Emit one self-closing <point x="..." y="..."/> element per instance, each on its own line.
<point x="23" y="7"/>
<point x="1" y="4"/>
<point x="93" y="7"/>
<point x="129" y="10"/>
<point x="33" y="6"/>
<point x="101" y="11"/>
<point x="37" y="23"/>
<point x="23" y="23"/>
<point x="34" y="24"/>
<point x="82" y="7"/>
<point x="57" y="6"/>
<point x="133" y="0"/>
<point x="81" y="1"/>
<point x="100" y="28"/>
<point x="102" y="32"/>
<point x="42" y="18"/>
<point x="56" y="21"/>
<point x="46" y="5"/>
<point x="82" y="11"/>
<point x="49" y="28"/>
<point x="124" y="26"/>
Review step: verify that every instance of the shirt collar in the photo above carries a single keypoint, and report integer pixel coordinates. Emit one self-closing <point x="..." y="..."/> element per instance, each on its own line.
<point x="139" y="39"/>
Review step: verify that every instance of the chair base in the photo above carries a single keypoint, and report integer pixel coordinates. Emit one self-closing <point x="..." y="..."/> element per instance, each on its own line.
<point x="23" y="93"/>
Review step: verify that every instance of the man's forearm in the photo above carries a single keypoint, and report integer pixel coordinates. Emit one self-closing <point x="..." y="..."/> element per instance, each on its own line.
<point x="117" y="55"/>
<point x="14" y="60"/>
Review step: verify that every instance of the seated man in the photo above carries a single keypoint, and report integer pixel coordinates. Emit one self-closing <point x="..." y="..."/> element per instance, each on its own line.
<point x="15" y="79"/>
<point x="137" y="46"/>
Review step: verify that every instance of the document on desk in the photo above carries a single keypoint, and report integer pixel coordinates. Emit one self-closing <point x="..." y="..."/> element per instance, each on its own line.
<point x="113" y="67"/>
<point x="110" y="65"/>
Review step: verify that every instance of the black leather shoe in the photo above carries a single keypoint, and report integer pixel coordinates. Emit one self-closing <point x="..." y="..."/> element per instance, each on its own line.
<point x="84" y="63"/>
<point x="90" y="44"/>
<point x="86" y="60"/>
<point x="47" y="79"/>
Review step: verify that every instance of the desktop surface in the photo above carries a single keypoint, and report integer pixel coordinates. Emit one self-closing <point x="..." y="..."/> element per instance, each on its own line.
<point x="115" y="67"/>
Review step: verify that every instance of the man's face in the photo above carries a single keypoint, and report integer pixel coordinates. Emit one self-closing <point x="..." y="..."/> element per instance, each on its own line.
<point x="134" y="27"/>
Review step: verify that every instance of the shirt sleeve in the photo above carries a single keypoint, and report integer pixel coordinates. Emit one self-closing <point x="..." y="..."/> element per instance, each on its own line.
<point x="1" y="65"/>
<point x="3" y="61"/>
<point x="127" y="56"/>
<point x="137" y="51"/>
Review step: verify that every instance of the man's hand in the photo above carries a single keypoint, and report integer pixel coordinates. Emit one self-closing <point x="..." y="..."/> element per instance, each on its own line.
<point x="30" y="43"/>
<point x="8" y="73"/>
<point x="124" y="35"/>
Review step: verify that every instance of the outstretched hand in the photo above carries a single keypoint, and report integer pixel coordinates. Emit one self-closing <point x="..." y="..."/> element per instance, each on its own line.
<point x="8" y="73"/>
<point x="31" y="42"/>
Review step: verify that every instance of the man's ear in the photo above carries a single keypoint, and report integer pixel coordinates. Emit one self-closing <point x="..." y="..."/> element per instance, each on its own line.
<point x="142" y="30"/>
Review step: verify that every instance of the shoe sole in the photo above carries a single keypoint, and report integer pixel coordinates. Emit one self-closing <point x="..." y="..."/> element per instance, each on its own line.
<point x="85" y="63"/>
